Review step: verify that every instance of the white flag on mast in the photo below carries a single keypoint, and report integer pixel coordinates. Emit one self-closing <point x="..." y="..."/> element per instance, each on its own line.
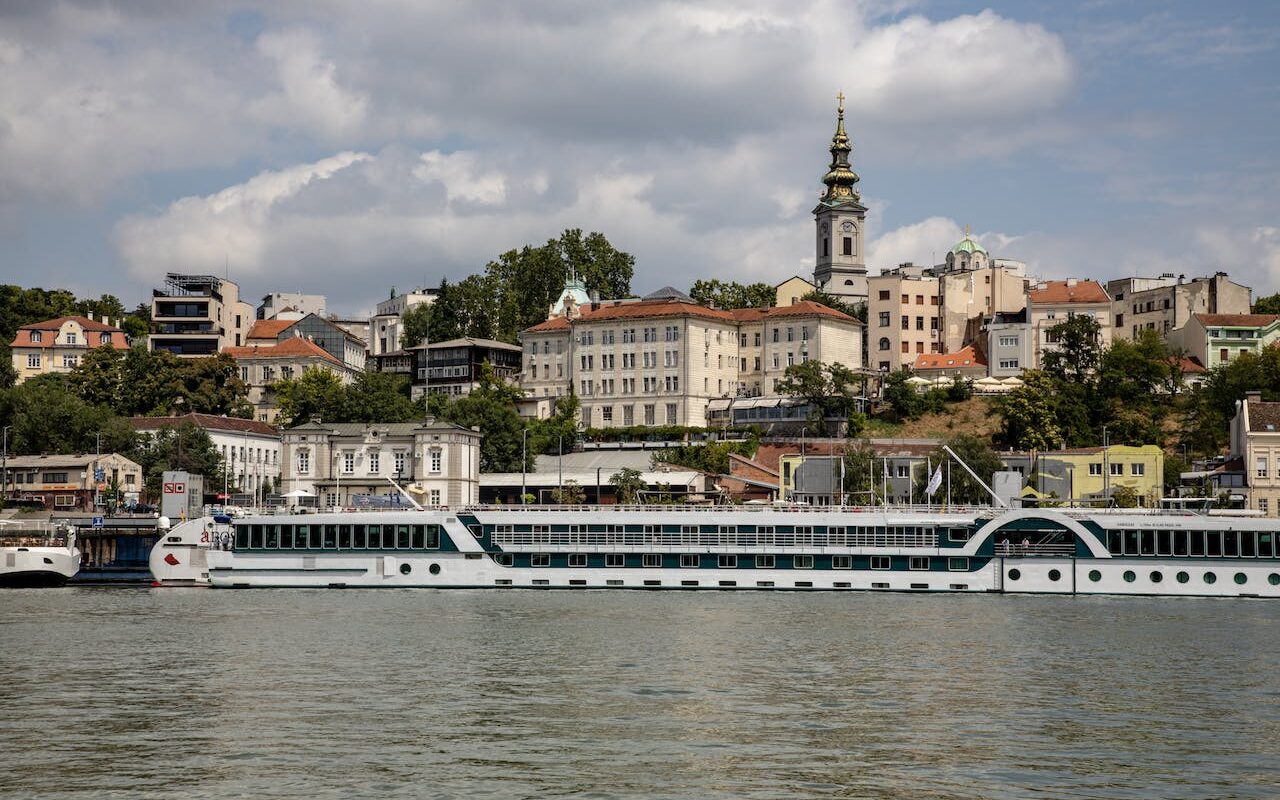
<point x="934" y="482"/>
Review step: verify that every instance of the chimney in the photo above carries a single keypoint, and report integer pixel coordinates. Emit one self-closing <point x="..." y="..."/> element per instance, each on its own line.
<point x="1071" y="282"/>
<point x="1253" y="397"/>
<point x="89" y="314"/>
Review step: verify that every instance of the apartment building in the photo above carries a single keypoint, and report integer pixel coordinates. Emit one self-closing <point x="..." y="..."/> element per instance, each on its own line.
<point x="386" y="326"/>
<point x="57" y="345"/>
<point x="904" y="317"/>
<point x="350" y="463"/>
<point x="1009" y="343"/>
<point x="1255" y="439"/>
<point x="71" y="482"/>
<point x="1052" y="302"/>
<point x="1215" y="339"/>
<point x="662" y="360"/>
<point x="198" y="315"/>
<point x="1167" y="303"/>
<point x="262" y="365"/>
<point x="971" y="297"/>
<point x="454" y="366"/>
<point x="290" y="305"/>
<point x="250" y="449"/>
<point x="334" y="339"/>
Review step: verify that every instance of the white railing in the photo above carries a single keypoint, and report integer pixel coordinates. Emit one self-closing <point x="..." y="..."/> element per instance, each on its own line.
<point x="723" y="509"/>
<point x="852" y="537"/>
<point x="1016" y="550"/>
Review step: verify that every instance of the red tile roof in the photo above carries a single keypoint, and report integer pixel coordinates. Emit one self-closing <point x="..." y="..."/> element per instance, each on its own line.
<point x="23" y="336"/>
<point x="1055" y="292"/>
<point x="269" y="328"/>
<point x="205" y="421"/>
<point x="1238" y="320"/>
<point x="650" y="309"/>
<point x="293" y="347"/>
<point x="1190" y="365"/>
<point x="553" y="324"/>
<point x="965" y="357"/>
<point x="801" y="308"/>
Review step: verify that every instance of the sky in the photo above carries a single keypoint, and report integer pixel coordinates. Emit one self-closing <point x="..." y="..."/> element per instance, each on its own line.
<point x="345" y="148"/>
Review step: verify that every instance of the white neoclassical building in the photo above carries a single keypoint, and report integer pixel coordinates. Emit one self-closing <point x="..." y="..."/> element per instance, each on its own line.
<point x="352" y="464"/>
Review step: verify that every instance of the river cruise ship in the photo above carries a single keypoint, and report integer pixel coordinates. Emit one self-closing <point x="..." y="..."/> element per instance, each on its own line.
<point x="37" y="554"/>
<point x="1058" y="551"/>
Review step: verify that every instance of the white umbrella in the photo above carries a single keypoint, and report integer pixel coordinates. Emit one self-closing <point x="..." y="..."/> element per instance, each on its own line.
<point x="916" y="380"/>
<point x="1012" y="381"/>
<point x="298" y="493"/>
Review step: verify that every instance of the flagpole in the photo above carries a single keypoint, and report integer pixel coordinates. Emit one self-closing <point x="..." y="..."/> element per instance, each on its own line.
<point x="948" y="484"/>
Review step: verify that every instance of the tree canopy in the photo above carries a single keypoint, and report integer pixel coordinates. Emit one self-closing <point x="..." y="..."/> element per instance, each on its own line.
<point x="732" y="295"/>
<point x="830" y="390"/>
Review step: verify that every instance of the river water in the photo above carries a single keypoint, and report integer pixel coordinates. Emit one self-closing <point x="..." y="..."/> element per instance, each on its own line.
<point x="160" y="693"/>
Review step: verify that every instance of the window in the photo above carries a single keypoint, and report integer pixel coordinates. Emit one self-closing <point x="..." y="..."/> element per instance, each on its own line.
<point x="540" y="560"/>
<point x="436" y="460"/>
<point x="398" y="460"/>
<point x="906" y="322"/>
<point x="33" y="361"/>
<point x="958" y="564"/>
<point x="1263" y="506"/>
<point x="727" y="562"/>
<point x="842" y="562"/>
<point x="1117" y="469"/>
<point x="615" y="560"/>
<point x="435" y="497"/>
<point x="884" y="294"/>
<point x="1095" y="468"/>
<point x="689" y="561"/>
<point x="919" y="562"/>
<point x="652" y="559"/>
<point x="374" y="463"/>
<point x="37" y="336"/>
<point x="880" y="562"/>
<point x="72" y="338"/>
<point x="1008" y="363"/>
<point x="802" y="562"/>
<point x="1262" y="466"/>
<point x="764" y="562"/>
<point x="1008" y="341"/>
<point x="304" y="462"/>
<point x="884" y="319"/>
<point x="848" y="246"/>
<point x="69" y="362"/>
<point x="348" y="463"/>
<point x="577" y="559"/>
<point x="1137" y="469"/>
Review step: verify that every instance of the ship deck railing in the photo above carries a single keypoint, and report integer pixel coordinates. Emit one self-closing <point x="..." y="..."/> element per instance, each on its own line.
<point x="1019" y="550"/>
<point x="674" y="540"/>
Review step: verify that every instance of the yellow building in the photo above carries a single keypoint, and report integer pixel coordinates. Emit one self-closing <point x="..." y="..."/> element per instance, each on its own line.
<point x="1094" y="472"/>
<point x="57" y="345"/>
<point x="790" y="291"/>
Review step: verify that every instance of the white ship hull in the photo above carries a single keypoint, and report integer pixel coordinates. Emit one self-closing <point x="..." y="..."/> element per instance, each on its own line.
<point x="38" y="566"/>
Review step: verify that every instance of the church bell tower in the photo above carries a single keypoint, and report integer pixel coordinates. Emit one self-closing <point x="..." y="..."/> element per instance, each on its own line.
<point x="840" y="222"/>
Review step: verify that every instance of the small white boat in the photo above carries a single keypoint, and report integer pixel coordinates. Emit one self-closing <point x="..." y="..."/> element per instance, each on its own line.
<point x="37" y="555"/>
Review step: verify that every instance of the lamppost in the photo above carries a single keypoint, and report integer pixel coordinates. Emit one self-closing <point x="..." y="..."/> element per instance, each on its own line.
<point x="1106" y="465"/>
<point x="4" y="464"/>
<point x="560" y="467"/>
<point x="524" y="464"/>
<point x="97" y="497"/>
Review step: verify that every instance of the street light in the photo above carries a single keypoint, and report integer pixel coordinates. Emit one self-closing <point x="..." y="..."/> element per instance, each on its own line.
<point x="4" y="464"/>
<point x="1106" y="465"/>
<point x="524" y="464"/>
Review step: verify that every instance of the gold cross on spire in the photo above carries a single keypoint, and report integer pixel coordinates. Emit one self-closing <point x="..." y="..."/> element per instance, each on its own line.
<point x="840" y="99"/>
<point x="966" y="231"/>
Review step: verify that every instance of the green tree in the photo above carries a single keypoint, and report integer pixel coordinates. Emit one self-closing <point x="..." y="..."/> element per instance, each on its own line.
<point x="417" y="324"/>
<point x="570" y="494"/>
<point x="316" y="392"/>
<point x="545" y="435"/>
<point x="1027" y="414"/>
<point x="903" y="400"/>
<point x="212" y="385"/>
<point x="48" y="417"/>
<point x="627" y="484"/>
<point x="490" y="407"/>
<point x="8" y="375"/>
<point x="862" y="471"/>
<point x="733" y="295"/>
<point x="1124" y="497"/>
<point x="975" y="452"/>
<point x="1267" y="305"/>
<point x="98" y="378"/>
<point x="378" y="397"/>
<point x="710" y="457"/>
<point x="107" y="305"/>
<point x="182" y="447"/>
<point x="831" y="390"/>
<point x="1079" y="349"/>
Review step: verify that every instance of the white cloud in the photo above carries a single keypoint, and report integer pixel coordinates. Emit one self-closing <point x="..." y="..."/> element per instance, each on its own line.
<point x="462" y="177"/>
<point x="309" y="95"/>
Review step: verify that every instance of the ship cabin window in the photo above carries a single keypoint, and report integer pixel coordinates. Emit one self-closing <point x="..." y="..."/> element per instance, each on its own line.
<point x="1197" y="543"/>
<point x="242" y="536"/>
<point x="652" y="559"/>
<point x="615" y="560"/>
<point x="919" y="562"/>
<point x="959" y="534"/>
<point x="271" y="536"/>
<point x="1180" y="542"/>
<point x="842" y="562"/>
<point x="958" y="564"/>
<point x="540" y="560"/>
<point x="1248" y="544"/>
<point x="1213" y="543"/>
<point x="503" y="559"/>
<point x="802" y="562"/>
<point x="1266" y="545"/>
<point x="255" y="536"/>
<point x="1230" y="544"/>
<point x="375" y="537"/>
<point x="344" y="537"/>
<point x="577" y="559"/>
<point x="1164" y="543"/>
<point x="286" y="537"/>
<point x="1115" y="542"/>
<point x="301" y="540"/>
<point x="764" y="562"/>
<point x="880" y="562"/>
<point x="688" y="561"/>
<point x="330" y="540"/>
<point x="402" y="536"/>
<point x="727" y="562"/>
<point x="1148" y="543"/>
<point x="1131" y="543"/>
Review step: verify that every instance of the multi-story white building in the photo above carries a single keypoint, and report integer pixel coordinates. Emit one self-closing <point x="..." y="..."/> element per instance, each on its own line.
<point x="290" y="305"/>
<point x="1255" y="438"/>
<point x="1050" y="303"/>
<point x="198" y="315"/>
<point x="662" y="360"/>
<point x="904" y="317"/>
<point x="57" y="345"/>
<point x="1167" y="303"/>
<point x="386" y="326"/>
<point x="250" y="449"/>
<point x="344" y="463"/>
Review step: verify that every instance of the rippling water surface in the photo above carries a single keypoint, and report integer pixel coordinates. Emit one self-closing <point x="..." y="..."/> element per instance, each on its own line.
<point x="140" y="693"/>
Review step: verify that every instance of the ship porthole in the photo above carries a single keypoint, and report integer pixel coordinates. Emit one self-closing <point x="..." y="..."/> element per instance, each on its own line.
<point x="1156" y="577"/>
<point x="1183" y="577"/>
<point x="1095" y="575"/>
<point x="1209" y="577"/>
<point x="1129" y="576"/>
<point x="434" y="569"/>
<point x="1274" y="579"/>
<point x="405" y="569"/>
<point x="1014" y="574"/>
<point x="1054" y="575"/>
<point x="1241" y="578"/>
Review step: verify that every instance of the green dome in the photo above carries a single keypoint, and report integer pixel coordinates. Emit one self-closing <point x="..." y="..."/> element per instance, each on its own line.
<point x="968" y="245"/>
